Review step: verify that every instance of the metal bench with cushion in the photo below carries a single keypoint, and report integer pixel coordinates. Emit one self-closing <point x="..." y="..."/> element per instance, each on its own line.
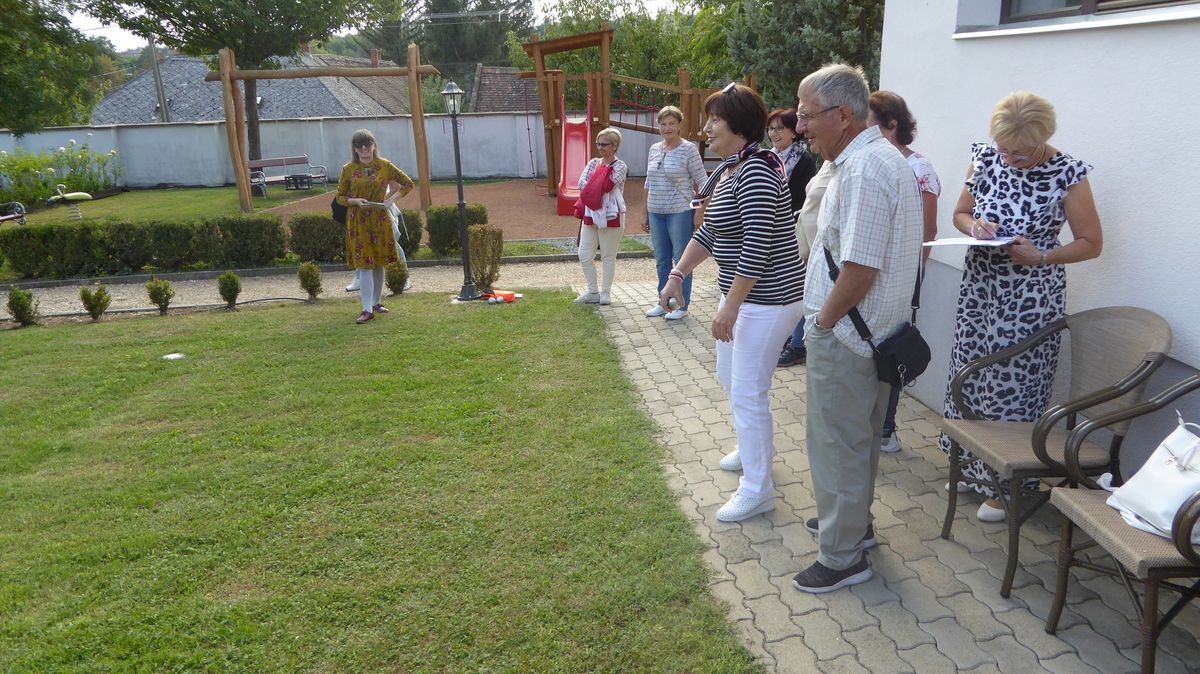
<point x="259" y="178"/>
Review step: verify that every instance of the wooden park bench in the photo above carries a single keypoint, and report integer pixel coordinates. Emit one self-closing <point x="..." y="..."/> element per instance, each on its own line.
<point x="291" y="181"/>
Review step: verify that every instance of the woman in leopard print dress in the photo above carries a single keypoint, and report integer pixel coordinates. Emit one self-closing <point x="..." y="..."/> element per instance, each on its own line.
<point x="1023" y="187"/>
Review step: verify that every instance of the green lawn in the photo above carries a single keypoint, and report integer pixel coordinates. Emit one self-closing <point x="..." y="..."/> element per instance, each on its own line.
<point x="173" y="203"/>
<point x="430" y="492"/>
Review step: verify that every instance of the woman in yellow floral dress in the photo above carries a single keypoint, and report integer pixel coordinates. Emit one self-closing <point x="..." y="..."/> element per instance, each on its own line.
<point x="367" y="187"/>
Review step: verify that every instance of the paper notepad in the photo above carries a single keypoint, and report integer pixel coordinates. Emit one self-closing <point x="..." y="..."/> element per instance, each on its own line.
<point x="971" y="241"/>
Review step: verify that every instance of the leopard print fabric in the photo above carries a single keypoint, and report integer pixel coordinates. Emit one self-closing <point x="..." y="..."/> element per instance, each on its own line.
<point x="1000" y="304"/>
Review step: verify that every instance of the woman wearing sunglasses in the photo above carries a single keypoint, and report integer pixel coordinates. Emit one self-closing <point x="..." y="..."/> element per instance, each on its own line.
<point x="748" y="230"/>
<point x="368" y="186"/>
<point x="602" y="191"/>
<point x="1020" y="186"/>
<point x="674" y="171"/>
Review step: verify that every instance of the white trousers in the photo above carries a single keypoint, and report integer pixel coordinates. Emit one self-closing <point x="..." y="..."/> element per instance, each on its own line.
<point x="607" y="239"/>
<point x="745" y="368"/>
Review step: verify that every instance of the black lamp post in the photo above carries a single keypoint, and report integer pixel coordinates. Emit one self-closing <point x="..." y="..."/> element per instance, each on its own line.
<point x="454" y="97"/>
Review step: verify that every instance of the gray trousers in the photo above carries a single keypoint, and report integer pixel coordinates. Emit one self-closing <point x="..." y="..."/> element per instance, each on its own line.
<point x="846" y="407"/>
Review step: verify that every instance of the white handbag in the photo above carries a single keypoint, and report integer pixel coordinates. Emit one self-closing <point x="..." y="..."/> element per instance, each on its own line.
<point x="1150" y="499"/>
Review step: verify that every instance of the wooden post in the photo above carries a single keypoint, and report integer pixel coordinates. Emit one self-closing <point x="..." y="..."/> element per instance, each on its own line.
<point x="691" y="124"/>
<point x="417" y="108"/>
<point x="239" y="116"/>
<point x="240" y="174"/>
<point x="605" y="81"/>
<point x="549" y="114"/>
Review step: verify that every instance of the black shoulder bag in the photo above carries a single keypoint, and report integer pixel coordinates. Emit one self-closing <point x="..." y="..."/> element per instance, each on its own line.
<point x="901" y="358"/>
<point x="338" y="211"/>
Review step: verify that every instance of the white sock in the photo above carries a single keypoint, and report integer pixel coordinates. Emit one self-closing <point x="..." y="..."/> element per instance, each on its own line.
<point x="377" y="284"/>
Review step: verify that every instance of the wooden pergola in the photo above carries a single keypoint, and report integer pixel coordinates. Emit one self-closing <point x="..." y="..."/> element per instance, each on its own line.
<point x="235" y="115"/>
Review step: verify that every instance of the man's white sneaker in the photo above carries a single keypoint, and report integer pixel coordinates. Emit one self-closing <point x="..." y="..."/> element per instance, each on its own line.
<point x="587" y="298"/>
<point x="604" y="299"/>
<point x="656" y="311"/>
<point x="676" y="315"/>
<point x="740" y="507"/>
<point x="732" y="461"/>
<point x="891" y="444"/>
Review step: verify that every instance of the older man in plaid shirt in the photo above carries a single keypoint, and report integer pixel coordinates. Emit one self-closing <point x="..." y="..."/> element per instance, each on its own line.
<point x="871" y="224"/>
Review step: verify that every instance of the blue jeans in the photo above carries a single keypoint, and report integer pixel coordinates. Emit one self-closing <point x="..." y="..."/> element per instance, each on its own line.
<point x="798" y="336"/>
<point x="670" y="234"/>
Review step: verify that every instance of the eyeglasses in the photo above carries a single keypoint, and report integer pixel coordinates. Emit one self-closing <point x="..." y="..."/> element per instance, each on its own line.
<point x="729" y="88"/>
<point x="776" y="129"/>
<point x="1012" y="156"/>
<point x="364" y="144"/>
<point x="602" y="144"/>
<point x="808" y="116"/>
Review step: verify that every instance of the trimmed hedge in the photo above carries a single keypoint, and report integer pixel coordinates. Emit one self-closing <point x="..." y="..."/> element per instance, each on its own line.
<point x="71" y="249"/>
<point x="442" y="225"/>
<point x="317" y="236"/>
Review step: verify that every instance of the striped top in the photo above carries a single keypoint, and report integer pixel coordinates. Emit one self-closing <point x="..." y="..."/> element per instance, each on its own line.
<point x="748" y="229"/>
<point x="672" y="176"/>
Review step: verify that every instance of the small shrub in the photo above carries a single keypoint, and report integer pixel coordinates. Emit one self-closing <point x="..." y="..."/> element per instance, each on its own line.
<point x="22" y="306"/>
<point x="310" y="279"/>
<point x="95" y="302"/>
<point x="410" y="231"/>
<point x="487" y="245"/>
<point x="317" y="237"/>
<point x="160" y="292"/>
<point x="230" y="285"/>
<point x="395" y="277"/>
<point x="442" y="225"/>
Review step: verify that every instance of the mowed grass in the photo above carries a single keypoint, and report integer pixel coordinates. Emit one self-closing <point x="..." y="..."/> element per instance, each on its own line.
<point x="176" y="203"/>
<point x="446" y="489"/>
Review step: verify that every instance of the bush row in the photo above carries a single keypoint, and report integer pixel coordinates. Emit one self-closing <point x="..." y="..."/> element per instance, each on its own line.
<point x="114" y="246"/>
<point x="70" y="249"/>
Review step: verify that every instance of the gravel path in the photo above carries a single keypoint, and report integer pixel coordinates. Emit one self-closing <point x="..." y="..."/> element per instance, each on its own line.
<point x="63" y="301"/>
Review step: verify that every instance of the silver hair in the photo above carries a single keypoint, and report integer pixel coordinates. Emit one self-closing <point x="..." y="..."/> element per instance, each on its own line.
<point x="839" y="84"/>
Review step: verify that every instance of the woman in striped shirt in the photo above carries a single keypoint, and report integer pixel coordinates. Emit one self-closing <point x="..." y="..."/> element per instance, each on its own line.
<point x="748" y="230"/>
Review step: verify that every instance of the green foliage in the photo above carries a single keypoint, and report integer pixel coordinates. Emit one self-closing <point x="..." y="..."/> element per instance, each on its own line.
<point x="442" y="225"/>
<point x="95" y="302"/>
<point x="130" y="244"/>
<point x="343" y="45"/>
<point x="782" y="42"/>
<point x="487" y="245"/>
<point x="45" y="67"/>
<point x="31" y="177"/>
<point x="252" y="240"/>
<point x="410" y="231"/>
<point x="22" y="307"/>
<point x="395" y="277"/>
<point x="229" y="286"/>
<point x="160" y="292"/>
<point x="316" y="236"/>
<point x="309" y="275"/>
<point x="171" y="243"/>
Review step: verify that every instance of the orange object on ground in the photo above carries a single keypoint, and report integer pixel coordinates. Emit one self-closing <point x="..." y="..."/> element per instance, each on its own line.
<point x="506" y="295"/>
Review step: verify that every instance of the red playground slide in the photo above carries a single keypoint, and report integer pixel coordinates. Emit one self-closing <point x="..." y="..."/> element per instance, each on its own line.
<point x="576" y="150"/>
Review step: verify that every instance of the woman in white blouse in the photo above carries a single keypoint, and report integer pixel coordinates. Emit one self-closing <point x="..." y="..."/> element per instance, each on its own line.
<point x="601" y="228"/>
<point x="674" y="171"/>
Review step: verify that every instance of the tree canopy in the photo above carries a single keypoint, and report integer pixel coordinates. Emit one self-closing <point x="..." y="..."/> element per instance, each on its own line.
<point x="258" y="31"/>
<point x="48" y="71"/>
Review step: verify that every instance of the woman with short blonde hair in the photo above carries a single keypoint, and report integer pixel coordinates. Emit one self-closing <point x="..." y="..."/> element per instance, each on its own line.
<point x="674" y="171"/>
<point x="1017" y="186"/>
<point x="601" y="226"/>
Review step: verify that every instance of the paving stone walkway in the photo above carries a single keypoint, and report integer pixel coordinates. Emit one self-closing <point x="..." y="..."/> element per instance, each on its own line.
<point x="934" y="605"/>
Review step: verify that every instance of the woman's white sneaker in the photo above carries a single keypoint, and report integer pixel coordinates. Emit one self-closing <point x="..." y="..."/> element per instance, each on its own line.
<point x="587" y="298"/>
<point x="676" y="315"/>
<point x="740" y="507"/>
<point x="656" y="311"/>
<point x="989" y="514"/>
<point x="732" y="461"/>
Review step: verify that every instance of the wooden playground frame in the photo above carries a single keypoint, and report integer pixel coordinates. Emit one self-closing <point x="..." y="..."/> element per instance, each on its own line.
<point x="551" y="85"/>
<point x="235" y="116"/>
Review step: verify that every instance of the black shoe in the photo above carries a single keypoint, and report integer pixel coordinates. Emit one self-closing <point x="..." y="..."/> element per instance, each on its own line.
<point x="819" y="578"/>
<point x="814" y="527"/>
<point x="791" y="357"/>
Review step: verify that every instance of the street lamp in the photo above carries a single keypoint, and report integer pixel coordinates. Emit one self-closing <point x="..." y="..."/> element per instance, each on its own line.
<point x="454" y="97"/>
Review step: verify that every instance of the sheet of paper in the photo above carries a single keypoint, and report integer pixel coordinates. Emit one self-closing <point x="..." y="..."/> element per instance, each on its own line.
<point x="970" y="241"/>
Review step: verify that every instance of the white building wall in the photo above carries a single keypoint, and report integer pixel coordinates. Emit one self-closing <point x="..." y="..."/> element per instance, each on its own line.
<point x="493" y="145"/>
<point x="1124" y="89"/>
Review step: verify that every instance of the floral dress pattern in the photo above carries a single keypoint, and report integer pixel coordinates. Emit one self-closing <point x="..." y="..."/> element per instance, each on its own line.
<point x="1000" y="304"/>
<point x="369" y="240"/>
